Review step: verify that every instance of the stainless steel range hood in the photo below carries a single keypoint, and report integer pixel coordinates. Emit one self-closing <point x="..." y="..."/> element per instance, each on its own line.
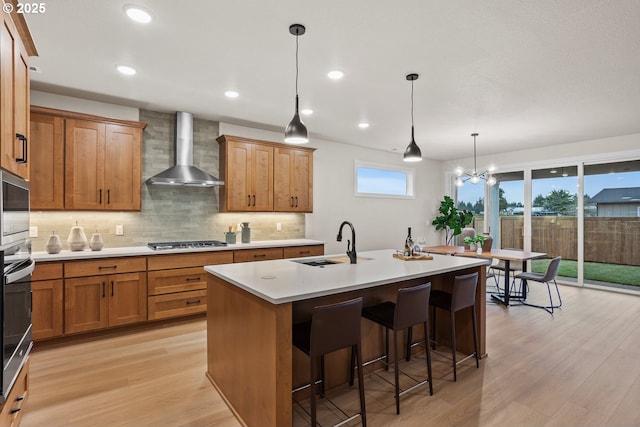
<point x="184" y="173"/>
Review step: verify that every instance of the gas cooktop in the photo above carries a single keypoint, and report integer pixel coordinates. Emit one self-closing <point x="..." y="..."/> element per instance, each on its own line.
<point x="186" y="245"/>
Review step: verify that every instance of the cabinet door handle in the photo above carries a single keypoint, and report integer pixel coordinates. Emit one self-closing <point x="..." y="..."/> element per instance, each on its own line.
<point x="304" y="252"/>
<point x="103" y="267"/>
<point x="22" y="138"/>
<point x="112" y="288"/>
<point x="296" y="201"/>
<point x="193" y="302"/>
<point x="254" y="200"/>
<point x="103" y="289"/>
<point x="193" y="279"/>
<point x="100" y="196"/>
<point x="259" y="255"/>
<point x="291" y="205"/>
<point x="108" y="196"/>
<point x="248" y="199"/>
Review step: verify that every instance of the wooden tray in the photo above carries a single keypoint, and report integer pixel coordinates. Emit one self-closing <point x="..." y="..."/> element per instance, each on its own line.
<point x="421" y="257"/>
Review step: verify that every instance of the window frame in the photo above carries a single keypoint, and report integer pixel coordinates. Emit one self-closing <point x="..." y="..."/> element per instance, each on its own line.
<point x="410" y="183"/>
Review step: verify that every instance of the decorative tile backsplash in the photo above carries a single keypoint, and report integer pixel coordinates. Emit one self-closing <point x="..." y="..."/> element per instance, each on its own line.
<point x="169" y="213"/>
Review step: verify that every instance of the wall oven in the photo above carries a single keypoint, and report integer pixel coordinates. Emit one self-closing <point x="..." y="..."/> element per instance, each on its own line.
<point x="15" y="297"/>
<point x="14" y="210"/>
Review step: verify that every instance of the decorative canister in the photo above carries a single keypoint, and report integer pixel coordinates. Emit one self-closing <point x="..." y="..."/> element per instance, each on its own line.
<point x="77" y="240"/>
<point x="96" y="243"/>
<point x="246" y="233"/>
<point x="488" y="242"/>
<point x="230" y="237"/>
<point x="54" y="244"/>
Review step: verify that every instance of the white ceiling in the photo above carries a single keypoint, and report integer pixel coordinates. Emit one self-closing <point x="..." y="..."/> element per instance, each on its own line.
<point x="523" y="74"/>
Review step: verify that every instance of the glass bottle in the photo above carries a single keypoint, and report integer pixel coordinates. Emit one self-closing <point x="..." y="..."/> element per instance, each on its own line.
<point x="408" y="244"/>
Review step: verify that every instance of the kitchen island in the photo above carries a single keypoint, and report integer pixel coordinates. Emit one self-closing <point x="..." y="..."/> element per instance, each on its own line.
<point x="252" y="307"/>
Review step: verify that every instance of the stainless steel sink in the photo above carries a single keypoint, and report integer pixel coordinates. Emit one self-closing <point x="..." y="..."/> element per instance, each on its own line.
<point x="316" y="262"/>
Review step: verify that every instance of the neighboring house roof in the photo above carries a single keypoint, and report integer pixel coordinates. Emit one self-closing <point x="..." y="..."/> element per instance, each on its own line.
<point x="617" y="195"/>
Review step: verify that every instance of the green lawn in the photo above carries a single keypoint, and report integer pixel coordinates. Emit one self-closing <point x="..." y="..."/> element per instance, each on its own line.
<point x="611" y="273"/>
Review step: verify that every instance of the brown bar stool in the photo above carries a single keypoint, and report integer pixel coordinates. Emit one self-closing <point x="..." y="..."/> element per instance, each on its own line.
<point x="411" y="308"/>
<point x="332" y="327"/>
<point x="463" y="296"/>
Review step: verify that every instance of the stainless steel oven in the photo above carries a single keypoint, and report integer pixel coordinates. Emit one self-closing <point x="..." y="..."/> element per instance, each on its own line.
<point x="14" y="210"/>
<point x="16" y="311"/>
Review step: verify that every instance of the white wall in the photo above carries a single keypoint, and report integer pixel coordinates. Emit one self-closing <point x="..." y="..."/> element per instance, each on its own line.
<point x="68" y="103"/>
<point x="379" y="222"/>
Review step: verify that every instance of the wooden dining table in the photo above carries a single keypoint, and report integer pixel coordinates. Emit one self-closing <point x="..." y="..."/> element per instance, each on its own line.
<point x="506" y="255"/>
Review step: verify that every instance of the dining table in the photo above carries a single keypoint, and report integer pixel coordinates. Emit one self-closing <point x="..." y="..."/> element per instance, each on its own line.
<point x="506" y="255"/>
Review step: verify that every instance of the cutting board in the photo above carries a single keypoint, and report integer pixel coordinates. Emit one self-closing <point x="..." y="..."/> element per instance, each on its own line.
<point x="413" y="258"/>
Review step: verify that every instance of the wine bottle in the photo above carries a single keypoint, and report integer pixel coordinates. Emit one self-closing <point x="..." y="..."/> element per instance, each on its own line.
<point x="408" y="244"/>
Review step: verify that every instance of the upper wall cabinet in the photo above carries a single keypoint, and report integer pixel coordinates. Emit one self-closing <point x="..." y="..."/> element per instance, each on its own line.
<point x="263" y="176"/>
<point x="85" y="162"/>
<point x="14" y="99"/>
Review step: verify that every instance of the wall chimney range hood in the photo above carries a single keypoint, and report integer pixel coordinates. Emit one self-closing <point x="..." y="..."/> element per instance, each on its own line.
<point x="184" y="173"/>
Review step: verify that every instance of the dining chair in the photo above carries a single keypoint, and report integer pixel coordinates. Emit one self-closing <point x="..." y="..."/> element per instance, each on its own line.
<point x="546" y="278"/>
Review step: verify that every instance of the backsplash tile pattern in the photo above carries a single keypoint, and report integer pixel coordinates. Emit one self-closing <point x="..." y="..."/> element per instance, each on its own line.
<point x="169" y="213"/>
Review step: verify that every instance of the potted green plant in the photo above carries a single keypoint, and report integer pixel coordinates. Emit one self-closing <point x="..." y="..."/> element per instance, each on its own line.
<point x="475" y="243"/>
<point x="451" y="219"/>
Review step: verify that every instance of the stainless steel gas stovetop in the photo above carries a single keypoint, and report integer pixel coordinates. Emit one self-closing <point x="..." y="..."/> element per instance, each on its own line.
<point x="186" y="245"/>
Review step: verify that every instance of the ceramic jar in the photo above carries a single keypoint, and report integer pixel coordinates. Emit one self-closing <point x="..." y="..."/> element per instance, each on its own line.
<point x="466" y="232"/>
<point x="230" y="237"/>
<point x="488" y="242"/>
<point x="246" y="233"/>
<point x="96" y="243"/>
<point x="77" y="240"/>
<point x="54" y="244"/>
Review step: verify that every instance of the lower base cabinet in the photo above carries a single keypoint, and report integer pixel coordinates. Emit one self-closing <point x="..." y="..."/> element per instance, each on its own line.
<point x="12" y="408"/>
<point x="47" y="290"/>
<point x="175" y="305"/>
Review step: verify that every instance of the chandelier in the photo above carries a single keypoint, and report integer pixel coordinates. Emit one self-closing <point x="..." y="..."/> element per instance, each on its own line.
<point x="474" y="176"/>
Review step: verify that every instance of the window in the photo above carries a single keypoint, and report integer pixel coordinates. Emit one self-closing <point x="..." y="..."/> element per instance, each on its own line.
<point x="374" y="180"/>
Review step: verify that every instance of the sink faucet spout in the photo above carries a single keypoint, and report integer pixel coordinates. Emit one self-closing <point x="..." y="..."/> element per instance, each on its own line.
<point x="351" y="244"/>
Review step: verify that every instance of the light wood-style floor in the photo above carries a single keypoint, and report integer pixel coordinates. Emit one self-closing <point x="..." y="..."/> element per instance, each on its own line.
<point x="579" y="367"/>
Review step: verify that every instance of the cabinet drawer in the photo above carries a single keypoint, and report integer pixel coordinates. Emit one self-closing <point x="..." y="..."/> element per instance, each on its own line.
<point x="199" y="259"/>
<point x="302" y="251"/>
<point x="257" y="254"/>
<point x="47" y="271"/>
<point x="178" y="280"/>
<point x="104" y="266"/>
<point x="12" y="409"/>
<point x="178" y="304"/>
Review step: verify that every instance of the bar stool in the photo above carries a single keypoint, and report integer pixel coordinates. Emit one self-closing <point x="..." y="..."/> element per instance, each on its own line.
<point x="462" y="296"/>
<point x="411" y="308"/>
<point x="332" y="327"/>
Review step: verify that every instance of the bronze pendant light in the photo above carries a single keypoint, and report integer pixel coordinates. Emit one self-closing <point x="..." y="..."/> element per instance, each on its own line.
<point x="412" y="153"/>
<point x="296" y="132"/>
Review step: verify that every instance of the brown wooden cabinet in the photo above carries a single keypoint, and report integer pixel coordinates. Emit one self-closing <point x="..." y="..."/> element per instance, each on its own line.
<point x="116" y="296"/>
<point x="293" y="180"/>
<point x="47" y="154"/>
<point x="178" y="283"/>
<point x="14" y="100"/>
<point x="12" y="409"/>
<point x="258" y="254"/>
<point x="264" y="176"/>
<point x="85" y="162"/>
<point x="247" y="171"/>
<point x="302" y="251"/>
<point x="47" y="300"/>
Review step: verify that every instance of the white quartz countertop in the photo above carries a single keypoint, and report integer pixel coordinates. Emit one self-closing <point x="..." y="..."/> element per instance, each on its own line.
<point x="281" y="281"/>
<point x="66" y="255"/>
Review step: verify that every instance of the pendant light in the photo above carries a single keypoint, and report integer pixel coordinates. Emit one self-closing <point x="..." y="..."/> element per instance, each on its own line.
<point x="412" y="153"/>
<point x="296" y="132"/>
<point x="474" y="176"/>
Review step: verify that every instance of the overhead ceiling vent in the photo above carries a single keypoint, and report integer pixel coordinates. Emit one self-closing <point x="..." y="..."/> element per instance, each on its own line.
<point x="184" y="173"/>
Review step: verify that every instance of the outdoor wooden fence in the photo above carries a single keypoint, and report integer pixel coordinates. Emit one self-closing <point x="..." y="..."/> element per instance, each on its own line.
<point x="607" y="239"/>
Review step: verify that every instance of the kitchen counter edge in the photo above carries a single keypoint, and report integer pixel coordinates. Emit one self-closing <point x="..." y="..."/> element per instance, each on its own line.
<point x="67" y="255"/>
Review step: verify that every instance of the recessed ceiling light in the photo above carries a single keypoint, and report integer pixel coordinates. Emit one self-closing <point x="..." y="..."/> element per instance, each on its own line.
<point x="231" y="94"/>
<point x="138" y="13"/>
<point x="126" y="70"/>
<point x="335" y="75"/>
<point x="306" y="111"/>
<point x="363" y="125"/>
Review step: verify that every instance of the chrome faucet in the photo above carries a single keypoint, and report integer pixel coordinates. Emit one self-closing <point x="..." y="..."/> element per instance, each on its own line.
<point x="351" y="249"/>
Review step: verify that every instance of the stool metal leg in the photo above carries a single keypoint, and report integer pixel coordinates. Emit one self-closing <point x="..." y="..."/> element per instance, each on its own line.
<point x="453" y="344"/>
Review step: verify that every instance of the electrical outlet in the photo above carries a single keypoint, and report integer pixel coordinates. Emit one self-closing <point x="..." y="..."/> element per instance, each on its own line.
<point x="119" y="230"/>
<point x="33" y="231"/>
<point x="278" y="227"/>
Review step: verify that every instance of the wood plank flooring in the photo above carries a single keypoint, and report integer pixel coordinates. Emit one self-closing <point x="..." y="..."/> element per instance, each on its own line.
<point x="579" y="367"/>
